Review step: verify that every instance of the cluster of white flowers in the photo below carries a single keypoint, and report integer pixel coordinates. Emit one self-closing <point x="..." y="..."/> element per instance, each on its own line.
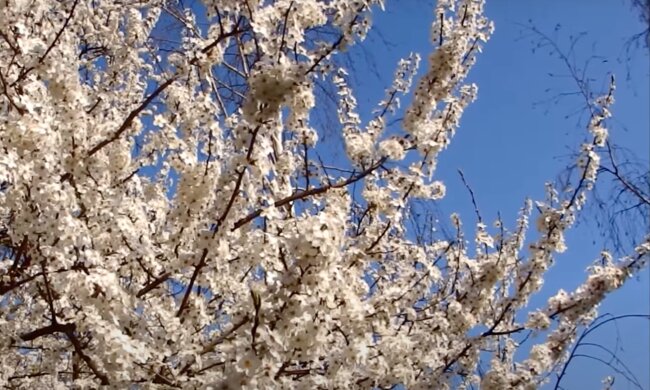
<point x="166" y="220"/>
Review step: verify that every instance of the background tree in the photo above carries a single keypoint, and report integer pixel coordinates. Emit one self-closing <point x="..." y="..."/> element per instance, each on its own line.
<point x="167" y="220"/>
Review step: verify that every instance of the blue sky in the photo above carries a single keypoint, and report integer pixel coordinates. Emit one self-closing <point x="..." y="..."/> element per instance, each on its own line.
<point x="508" y="146"/>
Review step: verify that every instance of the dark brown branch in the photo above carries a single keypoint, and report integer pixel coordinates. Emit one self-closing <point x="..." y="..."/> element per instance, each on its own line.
<point x="202" y="262"/>
<point x="221" y="37"/>
<point x="33" y="375"/>
<point x="103" y="378"/>
<point x="48" y="330"/>
<point x="68" y="330"/>
<point x="310" y="192"/>
<point x="210" y="346"/>
<point x="378" y="239"/>
<point x="284" y="30"/>
<point x="20" y="110"/>
<point x="159" y="280"/>
<point x="257" y="305"/>
<point x="129" y="119"/>
<point x="195" y="274"/>
<point x="24" y="73"/>
<point x="12" y="46"/>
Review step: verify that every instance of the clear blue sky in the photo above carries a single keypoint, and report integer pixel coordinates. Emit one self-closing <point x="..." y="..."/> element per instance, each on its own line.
<point x="508" y="148"/>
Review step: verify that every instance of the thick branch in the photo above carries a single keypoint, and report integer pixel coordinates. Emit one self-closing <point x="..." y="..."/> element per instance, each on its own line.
<point x="48" y="330"/>
<point x="103" y="378"/>
<point x="158" y="281"/>
<point x="68" y="330"/>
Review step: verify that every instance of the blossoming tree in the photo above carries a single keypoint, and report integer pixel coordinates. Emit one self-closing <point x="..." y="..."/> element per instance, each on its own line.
<point x="165" y="221"/>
